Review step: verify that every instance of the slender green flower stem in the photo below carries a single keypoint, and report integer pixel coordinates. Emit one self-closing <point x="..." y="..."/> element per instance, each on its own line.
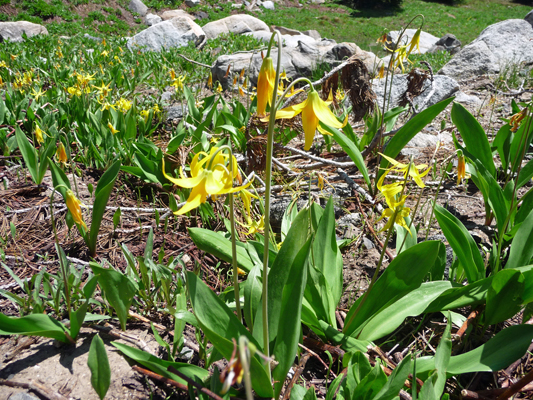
<point x="245" y="357"/>
<point x="268" y="182"/>
<point x="378" y="267"/>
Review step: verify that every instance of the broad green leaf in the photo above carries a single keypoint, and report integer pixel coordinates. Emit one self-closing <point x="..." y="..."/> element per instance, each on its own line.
<point x="522" y="247"/>
<point x="520" y="143"/>
<point x="404" y="274"/>
<point x="101" y="196"/>
<point x="29" y="154"/>
<point x="462" y="244"/>
<point x="371" y="384"/>
<point x="499" y="352"/>
<point x="160" y="366"/>
<point x="442" y="359"/>
<point x="332" y="389"/>
<point x="99" y="366"/>
<point x="298" y="392"/>
<point x="42" y="166"/>
<point x="220" y="325"/>
<point x="288" y="216"/>
<point x="215" y="244"/>
<point x="502" y="142"/>
<point x="526" y="173"/>
<point x="474" y="136"/>
<point x="404" y="238"/>
<point x="412" y="304"/>
<point x="396" y="381"/>
<point x="351" y="149"/>
<point x="347" y="343"/>
<point x="278" y="276"/>
<point x="252" y="287"/>
<point x="33" y="325"/>
<point x="118" y="288"/>
<point x="288" y="335"/>
<point x="409" y="130"/>
<point x="504" y="296"/>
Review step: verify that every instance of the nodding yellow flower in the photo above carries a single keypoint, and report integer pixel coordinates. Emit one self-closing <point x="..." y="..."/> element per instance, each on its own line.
<point x="234" y="371"/>
<point x="246" y="197"/>
<point x="178" y="82"/>
<point x="241" y="92"/>
<point x="381" y="73"/>
<point x="145" y="114"/>
<point x="156" y="108"/>
<point x="13" y="57"/>
<point x="117" y="59"/>
<point x="391" y="190"/>
<point x="210" y="176"/>
<point x="39" y="134"/>
<point x="123" y="105"/>
<point x="199" y="103"/>
<point x="210" y="81"/>
<point x="415" y="42"/>
<point x="37" y="95"/>
<point x="409" y="169"/>
<point x="401" y="56"/>
<point x="402" y="212"/>
<point x="516" y="120"/>
<point x="461" y="167"/>
<point x="265" y="85"/>
<point x="241" y="75"/>
<point x="74" y="206"/>
<point x="103" y="90"/>
<point x="382" y="39"/>
<point x="74" y="91"/>
<point x="59" y="53"/>
<point x="254" y="226"/>
<point x="112" y="128"/>
<point x="172" y="73"/>
<point x="61" y="154"/>
<point x="219" y="88"/>
<point x="235" y="80"/>
<point x="104" y="53"/>
<point x="3" y="64"/>
<point x="314" y="110"/>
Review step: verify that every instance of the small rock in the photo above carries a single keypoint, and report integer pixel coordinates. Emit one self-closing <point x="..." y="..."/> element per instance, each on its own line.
<point x="234" y="5"/>
<point x="313" y="33"/>
<point x="239" y="23"/>
<point x="423" y="141"/>
<point x="318" y="1"/>
<point x="186" y="353"/>
<point x="175" y="112"/>
<point x="22" y="396"/>
<point x="369" y="245"/>
<point x="137" y="6"/>
<point x="175" y="13"/>
<point x="269" y="5"/>
<point x="462" y="97"/>
<point x="96" y="39"/>
<point x="192" y="3"/>
<point x="286" y="31"/>
<point x="201" y="15"/>
<point x="152" y="19"/>
<point x="166" y="96"/>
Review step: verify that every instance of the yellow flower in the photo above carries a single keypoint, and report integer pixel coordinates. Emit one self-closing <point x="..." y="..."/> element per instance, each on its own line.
<point x="145" y="114"/>
<point x="395" y="207"/>
<point x="461" y="167"/>
<point x="38" y="94"/>
<point x="246" y="197"/>
<point x="39" y="134"/>
<point x="516" y="119"/>
<point x="381" y="73"/>
<point x="123" y="105"/>
<point x="103" y="90"/>
<point x="112" y="128"/>
<point x="313" y="110"/>
<point x="255" y="226"/>
<point x="61" y="154"/>
<point x="210" y="81"/>
<point x="178" y="82"/>
<point x="219" y="88"/>
<point x="104" y="53"/>
<point x="265" y="85"/>
<point x="415" y="42"/>
<point x="13" y="57"/>
<point x="3" y="64"/>
<point x="156" y="108"/>
<point x="74" y="91"/>
<point x="210" y="176"/>
<point x="74" y="206"/>
<point x="409" y="169"/>
<point x="391" y="190"/>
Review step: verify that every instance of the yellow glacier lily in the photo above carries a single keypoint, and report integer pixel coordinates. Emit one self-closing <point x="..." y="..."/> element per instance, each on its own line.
<point x="74" y="206"/>
<point x="210" y="176"/>
<point x="265" y="85"/>
<point x="399" y="209"/>
<point x="409" y="169"/>
<point x="314" y="110"/>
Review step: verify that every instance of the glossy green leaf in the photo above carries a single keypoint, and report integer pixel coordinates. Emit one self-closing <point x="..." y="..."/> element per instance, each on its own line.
<point x="44" y="158"/>
<point x="99" y="366"/>
<point x="279" y="274"/>
<point x="252" y="287"/>
<point x="499" y="352"/>
<point x="412" y="304"/>
<point x="118" y="288"/>
<point x="396" y="381"/>
<point x="351" y="149"/>
<point x="33" y="325"/>
<point x="474" y="136"/>
<point x="160" y="366"/>
<point x="404" y="274"/>
<point x="215" y="244"/>
<point x="504" y="296"/>
<point x="288" y="216"/>
<point x="404" y="238"/>
<point x="409" y="130"/>
<point x="462" y="244"/>
<point x="29" y="154"/>
<point x="442" y="359"/>
<point x="101" y="197"/>
<point x="502" y="142"/>
<point x="220" y="325"/>
<point x="288" y="335"/>
<point x="522" y="247"/>
<point x="520" y="143"/>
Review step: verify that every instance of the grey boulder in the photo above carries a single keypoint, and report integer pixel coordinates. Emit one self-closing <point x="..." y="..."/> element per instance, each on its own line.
<point x="498" y="46"/>
<point x="447" y="43"/>
<point x="152" y="19"/>
<point x="169" y="14"/>
<point x="269" y="5"/>
<point x="529" y="17"/>
<point x="177" y="32"/>
<point x="137" y="6"/>
<point x="192" y="3"/>
<point x="14" y="30"/>
<point x="442" y="88"/>
<point x="240" y="23"/>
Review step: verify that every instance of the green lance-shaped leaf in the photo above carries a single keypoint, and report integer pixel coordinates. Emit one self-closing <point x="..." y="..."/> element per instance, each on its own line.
<point x="474" y="136"/>
<point x="101" y="196"/>
<point x="99" y="366"/>
<point x="29" y="154"/>
<point x="118" y="288"/>
<point x="34" y="325"/>
<point x="462" y="244"/>
<point x="522" y="247"/>
<point x="409" y="130"/>
<point x="504" y="296"/>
